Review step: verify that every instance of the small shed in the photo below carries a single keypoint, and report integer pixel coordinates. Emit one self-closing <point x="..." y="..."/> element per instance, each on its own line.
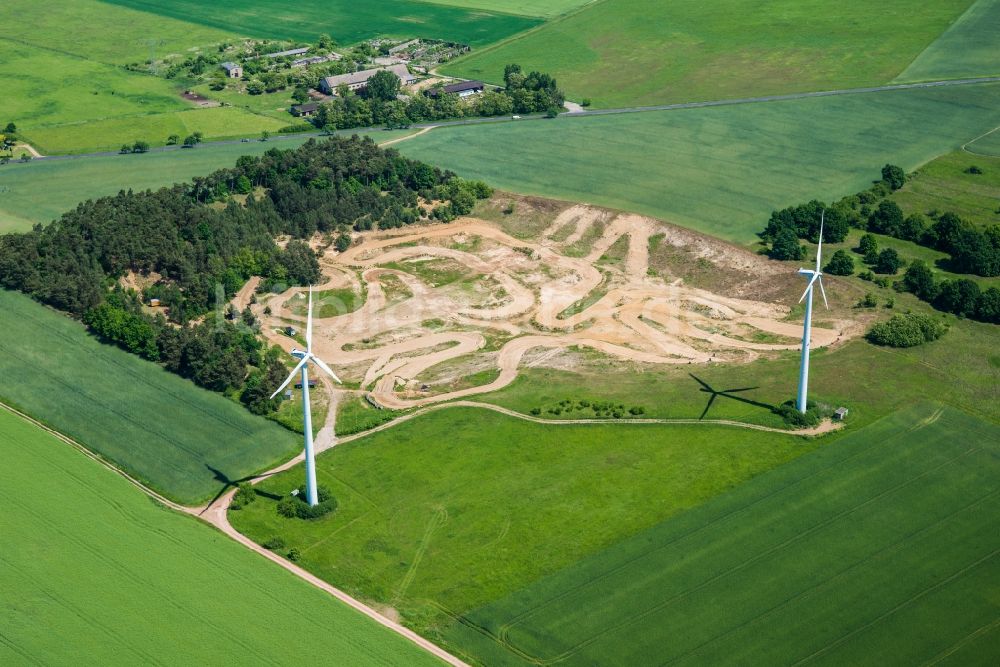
<point x="289" y="331"/>
<point x="462" y="89"/>
<point x="233" y="70"/>
<point x="288" y="394"/>
<point x="154" y="303"/>
<point x="840" y="413"/>
<point x="307" y="109"/>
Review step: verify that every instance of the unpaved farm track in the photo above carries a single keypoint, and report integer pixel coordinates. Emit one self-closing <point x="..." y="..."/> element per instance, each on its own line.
<point x="549" y="294"/>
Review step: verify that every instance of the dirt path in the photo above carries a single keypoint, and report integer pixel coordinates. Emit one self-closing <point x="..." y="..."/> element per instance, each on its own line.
<point x="409" y="136"/>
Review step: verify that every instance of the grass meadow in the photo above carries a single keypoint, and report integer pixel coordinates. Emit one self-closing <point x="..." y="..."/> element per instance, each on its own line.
<point x="639" y="52"/>
<point x="100" y="31"/>
<point x="41" y="190"/>
<point x="719" y="170"/>
<point x="347" y="21"/>
<point x="944" y="184"/>
<point x="108" y="134"/>
<point x="969" y="47"/>
<point x="455" y="508"/>
<point x="874" y="550"/>
<point x="94" y="571"/>
<point x="183" y="441"/>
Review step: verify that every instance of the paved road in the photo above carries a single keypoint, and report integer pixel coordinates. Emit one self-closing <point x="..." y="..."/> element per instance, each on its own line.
<point x="278" y="138"/>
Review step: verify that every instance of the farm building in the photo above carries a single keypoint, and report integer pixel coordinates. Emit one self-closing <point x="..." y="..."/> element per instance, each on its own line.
<point x="359" y="80"/>
<point x="233" y="70"/>
<point x="314" y="60"/>
<point x="289" y="52"/>
<point x="462" y="89"/>
<point x="307" y="109"/>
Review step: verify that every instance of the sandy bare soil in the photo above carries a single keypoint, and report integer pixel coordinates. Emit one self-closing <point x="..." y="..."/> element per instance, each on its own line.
<point x="467" y="296"/>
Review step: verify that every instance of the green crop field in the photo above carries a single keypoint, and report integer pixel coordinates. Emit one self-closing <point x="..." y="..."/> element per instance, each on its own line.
<point x="94" y="572"/>
<point x="455" y="508"/>
<point x="719" y="170"/>
<point x="41" y="190"/>
<point x="878" y="549"/>
<point x="100" y="31"/>
<point x="970" y="47"/>
<point x="945" y="185"/>
<point x="986" y="145"/>
<point x="109" y="134"/>
<point x="183" y="441"/>
<point x="631" y="52"/>
<point x="345" y="20"/>
<point x="542" y="8"/>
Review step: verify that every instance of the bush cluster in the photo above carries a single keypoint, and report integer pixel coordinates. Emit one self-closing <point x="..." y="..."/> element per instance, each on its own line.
<point x="791" y="415"/>
<point x="243" y="497"/>
<point x="604" y="409"/>
<point x="297" y="506"/>
<point x="907" y="330"/>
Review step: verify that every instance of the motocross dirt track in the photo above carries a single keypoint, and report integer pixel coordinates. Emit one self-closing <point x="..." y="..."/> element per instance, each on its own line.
<point x="467" y="288"/>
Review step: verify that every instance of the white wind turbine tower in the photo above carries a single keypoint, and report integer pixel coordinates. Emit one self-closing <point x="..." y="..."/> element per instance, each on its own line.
<point x="815" y="276"/>
<point x="304" y="358"/>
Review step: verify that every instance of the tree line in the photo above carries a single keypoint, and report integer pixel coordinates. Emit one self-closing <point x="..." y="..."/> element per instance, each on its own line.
<point x="198" y="242"/>
<point x="971" y="250"/>
<point x="379" y="104"/>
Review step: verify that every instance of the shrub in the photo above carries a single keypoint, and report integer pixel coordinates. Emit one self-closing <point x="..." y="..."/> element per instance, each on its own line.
<point x="637" y="410"/>
<point x="792" y="417"/>
<point x="888" y="261"/>
<point x="869" y="301"/>
<point x="535" y="411"/>
<point x="244" y="496"/>
<point x="868" y="247"/>
<point x="294" y="554"/>
<point x="274" y="543"/>
<point x="585" y="102"/>
<point x="867" y="275"/>
<point x="841" y="264"/>
<point x="906" y="330"/>
<point x="919" y="279"/>
<point x="786" y="245"/>
<point x="893" y="176"/>
<point x="297" y="507"/>
<point x="973" y="170"/>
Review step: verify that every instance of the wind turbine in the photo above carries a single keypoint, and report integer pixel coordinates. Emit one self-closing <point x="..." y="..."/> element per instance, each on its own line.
<point x="304" y="357"/>
<point x="815" y="276"/>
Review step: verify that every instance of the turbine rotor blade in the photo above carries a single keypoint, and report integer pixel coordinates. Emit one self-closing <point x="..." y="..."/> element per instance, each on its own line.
<point x="823" y="292"/>
<point x="319" y="362"/>
<point x="291" y="376"/>
<point x="809" y="286"/>
<point x="309" y="322"/>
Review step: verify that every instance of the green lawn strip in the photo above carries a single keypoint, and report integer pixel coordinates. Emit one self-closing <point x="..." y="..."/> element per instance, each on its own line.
<point x="801" y="562"/>
<point x="458" y="507"/>
<point x="719" y="170"/>
<point x="181" y="440"/>
<point x="355" y="414"/>
<point x="348" y="22"/>
<point x="640" y="52"/>
<point x="94" y="568"/>
<point x="969" y="47"/>
<point x="945" y="184"/>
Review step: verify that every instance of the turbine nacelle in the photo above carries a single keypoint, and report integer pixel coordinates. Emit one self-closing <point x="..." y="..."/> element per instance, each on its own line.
<point x="299" y="354"/>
